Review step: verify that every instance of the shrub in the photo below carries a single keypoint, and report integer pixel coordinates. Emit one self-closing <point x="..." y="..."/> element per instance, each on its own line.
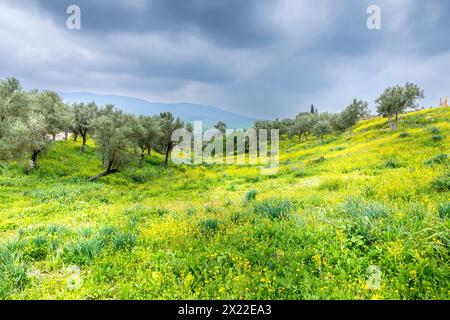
<point x="372" y="210"/>
<point x="142" y="175"/>
<point x="403" y="135"/>
<point x="366" y="223"/>
<point x="13" y="272"/>
<point x="107" y="233"/>
<point x="83" y="252"/>
<point x="124" y="241"/>
<point x="209" y="226"/>
<point x="439" y="159"/>
<point x="250" y="196"/>
<point x="300" y="172"/>
<point x="442" y="183"/>
<point x="392" y="164"/>
<point x="274" y="208"/>
<point x="318" y="160"/>
<point x="37" y="249"/>
<point x="56" y="229"/>
<point x="437" y="138"/>
<point x="435" y="130"/>
<point x="443" y="210"/>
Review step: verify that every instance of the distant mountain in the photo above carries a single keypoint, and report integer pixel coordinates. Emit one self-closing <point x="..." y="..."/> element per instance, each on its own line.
<point x="187" y="111"/>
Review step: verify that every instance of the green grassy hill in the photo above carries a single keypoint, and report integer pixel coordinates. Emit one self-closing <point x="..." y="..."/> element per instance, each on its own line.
<point x="364" y="215"/>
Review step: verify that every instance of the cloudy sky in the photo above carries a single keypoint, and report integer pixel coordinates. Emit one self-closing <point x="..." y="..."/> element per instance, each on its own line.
<point x="259" y="58"/>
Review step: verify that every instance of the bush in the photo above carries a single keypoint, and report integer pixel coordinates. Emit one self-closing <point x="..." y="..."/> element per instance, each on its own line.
<point x="403" y="135"/>
<point x="435" y="130"/>
<point x="442" y="183"/>
<point x="273" y="208"/>
<point x="318" y="160"/>
<point x="124" y="241"/>
<point x="437" y="138"/>
<point x="250" y="196"/>
<point x="357" y="208"/>
<point x="367" y="221"/>
<point x="300" y="173"/>
<point x="439" y="159"/>
<point x="142" y="175"/>
<point x="107" y="232"/>
<point x="392" y="164"/>
<point x="37" y="249"/>
<point x="83" y="252"/>
<point x="209" y="226"/>
<point x="13" y="272"/>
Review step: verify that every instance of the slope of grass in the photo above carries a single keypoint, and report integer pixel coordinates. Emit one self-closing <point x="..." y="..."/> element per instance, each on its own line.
<point x="355" y="216"/>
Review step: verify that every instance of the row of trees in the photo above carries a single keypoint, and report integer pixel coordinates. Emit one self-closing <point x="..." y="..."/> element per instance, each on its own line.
<point x="318" y="123"/>
<point x="392" y="102"/>
<point x="30" y="120"/>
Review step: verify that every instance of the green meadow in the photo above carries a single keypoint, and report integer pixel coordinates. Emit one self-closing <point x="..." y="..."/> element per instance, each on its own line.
<point x="360" y="215"/>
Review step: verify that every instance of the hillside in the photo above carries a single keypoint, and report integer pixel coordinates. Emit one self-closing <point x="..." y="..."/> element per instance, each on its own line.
<point x="187" y="111"/>
<point x="364" y="215"/>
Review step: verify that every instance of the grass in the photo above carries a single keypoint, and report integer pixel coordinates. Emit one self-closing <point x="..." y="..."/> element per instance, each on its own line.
<point x="360" y="216"/>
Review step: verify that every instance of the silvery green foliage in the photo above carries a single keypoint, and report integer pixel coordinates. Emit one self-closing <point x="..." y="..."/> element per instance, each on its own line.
<point x="304" y="123"/>
<point x="58" y="116"/>
<point x="27" y="118"/>
<point x="146" y="131"/>
<point x="168" y="124"/>
<point x="112" y="134"/>
<point x="396" y="100"/>
<point x="352" y="114"/>
<point x="84" y="117"/>
<point x="23" y="126"/>
<point x="322" y="128"/>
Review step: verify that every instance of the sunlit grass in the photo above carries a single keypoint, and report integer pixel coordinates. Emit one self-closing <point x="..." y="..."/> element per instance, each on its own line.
<point x="337" y="209"/>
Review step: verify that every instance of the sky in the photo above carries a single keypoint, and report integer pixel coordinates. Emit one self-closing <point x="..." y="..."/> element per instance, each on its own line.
<point x="263" y="59"/>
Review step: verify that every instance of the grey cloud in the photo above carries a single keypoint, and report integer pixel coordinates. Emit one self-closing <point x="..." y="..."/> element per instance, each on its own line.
<point x="233" y="23"/>
<point x="264" y="59"/>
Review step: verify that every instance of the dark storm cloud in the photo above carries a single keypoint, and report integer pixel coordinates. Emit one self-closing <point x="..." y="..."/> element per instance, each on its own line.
<point x="261" y="58"/>
<point x="234" y="23"/>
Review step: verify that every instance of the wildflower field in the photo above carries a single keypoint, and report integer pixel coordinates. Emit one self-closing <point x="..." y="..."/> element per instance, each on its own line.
<point x="360" y="215"/>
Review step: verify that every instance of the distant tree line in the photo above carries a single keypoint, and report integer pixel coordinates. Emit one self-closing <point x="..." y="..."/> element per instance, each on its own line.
<point x="391" y="103"/>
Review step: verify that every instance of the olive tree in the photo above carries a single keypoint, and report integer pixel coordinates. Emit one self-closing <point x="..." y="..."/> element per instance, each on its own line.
<point x="14" y="109"/>
<point x="352" y="114"/>
<point x="23" y="125"/>
<point x="57" y="116"/>
<point x="304" y="124"/>
<point x="396" y="100"/>
<point x="112" y="135"/>
<point x="84" y="116"/>
<point x="168" y="125"/>
<point x="322" y="128"/>
<point x="145" y="133"/>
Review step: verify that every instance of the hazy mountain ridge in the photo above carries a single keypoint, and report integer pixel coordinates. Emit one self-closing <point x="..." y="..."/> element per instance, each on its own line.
<point x="210" y="115"/>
